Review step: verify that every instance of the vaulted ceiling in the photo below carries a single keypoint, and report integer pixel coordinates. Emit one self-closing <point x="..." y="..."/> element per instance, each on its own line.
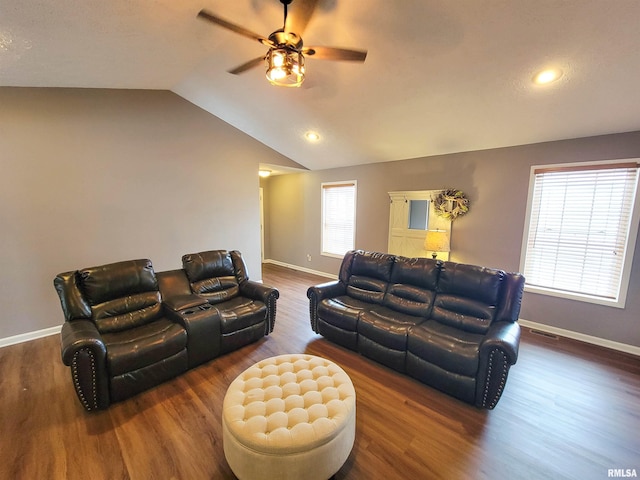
<point x="441" y="76"/>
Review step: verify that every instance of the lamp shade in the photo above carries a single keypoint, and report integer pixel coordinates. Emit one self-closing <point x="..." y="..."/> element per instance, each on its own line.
<point x="437" y="241"/>
<point x="285" y="66"/>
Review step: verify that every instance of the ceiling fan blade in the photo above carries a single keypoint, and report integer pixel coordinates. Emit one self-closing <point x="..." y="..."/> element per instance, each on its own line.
<point x="332" y="53"/>
<point x="298" y="16"/>
<point x="233" y="27"/>
<point x="247" y="66"/>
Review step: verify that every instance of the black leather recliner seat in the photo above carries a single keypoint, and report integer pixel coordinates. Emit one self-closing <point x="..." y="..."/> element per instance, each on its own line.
<point x="128" y="329"/>
<point x="220" y="307"/>
<point x="116" y="338"/>
<point x="452" y="326"/>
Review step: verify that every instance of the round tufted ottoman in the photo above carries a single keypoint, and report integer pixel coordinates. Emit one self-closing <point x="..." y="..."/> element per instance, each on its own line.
<point x="289" y="417"/>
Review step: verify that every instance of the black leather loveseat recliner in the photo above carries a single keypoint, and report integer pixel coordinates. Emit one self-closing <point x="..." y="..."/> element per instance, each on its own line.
<point x="449" y="325"/>
<point x="128" y="329"/>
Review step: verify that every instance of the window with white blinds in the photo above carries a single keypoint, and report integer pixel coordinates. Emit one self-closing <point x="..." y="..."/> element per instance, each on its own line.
<point x="582" y="227"/>
<point x="338" y="217"/>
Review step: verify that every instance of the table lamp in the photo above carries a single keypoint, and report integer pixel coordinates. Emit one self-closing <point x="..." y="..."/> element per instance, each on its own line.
<point x="437" y="241"/>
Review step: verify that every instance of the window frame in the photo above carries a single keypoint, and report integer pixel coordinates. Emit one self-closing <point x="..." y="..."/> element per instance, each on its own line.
<point x="629" y="249"/>
<point x="323" y="187"/>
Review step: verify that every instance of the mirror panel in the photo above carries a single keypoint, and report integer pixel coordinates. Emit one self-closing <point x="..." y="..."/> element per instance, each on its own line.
<point x="418" y="214"/>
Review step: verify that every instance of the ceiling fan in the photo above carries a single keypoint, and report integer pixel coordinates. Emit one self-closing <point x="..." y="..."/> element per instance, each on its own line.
<point x="285" y="58"/>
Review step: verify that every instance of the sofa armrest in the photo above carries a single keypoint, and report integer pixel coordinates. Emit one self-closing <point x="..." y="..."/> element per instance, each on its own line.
<point x="182" y="302"/>
<point x="257" y="291"/>
<point x="498" y="351"/>
<point x="84" y="351"/>
<point x="172" y="283"/>
<point x="504" y="336"/>
<point x="202" y="324"/>
<point x="331" y="289"/>
<point x="315" y="295"/>
<point x="266" y="294"/>
<point x="512" y="292"/>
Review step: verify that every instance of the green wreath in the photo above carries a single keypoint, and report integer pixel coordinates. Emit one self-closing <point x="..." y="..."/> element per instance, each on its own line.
<point x="451" y="203"/>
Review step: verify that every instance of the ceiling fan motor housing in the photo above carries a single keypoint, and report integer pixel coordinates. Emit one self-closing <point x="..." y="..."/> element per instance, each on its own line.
<point x="289" y="39"/>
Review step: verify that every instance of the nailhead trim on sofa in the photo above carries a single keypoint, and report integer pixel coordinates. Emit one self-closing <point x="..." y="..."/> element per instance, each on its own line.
<point x="76" y="380"/>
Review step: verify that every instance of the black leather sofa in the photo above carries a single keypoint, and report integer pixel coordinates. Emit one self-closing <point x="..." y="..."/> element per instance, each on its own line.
<point x="128" y="328"/>
<point x="449" y="325"/>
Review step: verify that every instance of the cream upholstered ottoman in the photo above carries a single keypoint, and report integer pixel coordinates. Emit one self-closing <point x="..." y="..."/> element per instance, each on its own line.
<point x="289" y="417"/>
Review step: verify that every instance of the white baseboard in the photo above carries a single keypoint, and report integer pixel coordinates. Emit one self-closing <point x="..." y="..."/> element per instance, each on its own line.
<point x="25" y="337"/>
<point x="601" y="342"/>
<point x="622" y="347"/>
<point x="302" y="269"/>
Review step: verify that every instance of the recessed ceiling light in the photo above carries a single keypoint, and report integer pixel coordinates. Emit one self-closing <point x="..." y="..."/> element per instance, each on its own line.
<point x="312" y="136"/>
<point x="547" y="76"/>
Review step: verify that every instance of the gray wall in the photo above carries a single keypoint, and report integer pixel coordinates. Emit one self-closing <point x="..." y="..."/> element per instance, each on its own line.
<point x="496" y="181"/>
<point x="96" y="176"/>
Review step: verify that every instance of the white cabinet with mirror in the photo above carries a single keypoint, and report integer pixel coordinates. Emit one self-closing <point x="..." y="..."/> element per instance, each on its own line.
<point x="411" y="214"/>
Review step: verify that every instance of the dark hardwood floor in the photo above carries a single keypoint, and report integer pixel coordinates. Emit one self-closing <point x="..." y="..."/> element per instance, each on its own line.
<point x="569" y="411"/>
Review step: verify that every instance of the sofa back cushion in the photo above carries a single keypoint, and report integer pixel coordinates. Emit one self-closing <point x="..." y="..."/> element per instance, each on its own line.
<point x="212" y="275"/>
<point x="121" y="295"/>
<point x="369" y="277"/>
<point x="467" y="296"/>
<point x="413" y="285"/>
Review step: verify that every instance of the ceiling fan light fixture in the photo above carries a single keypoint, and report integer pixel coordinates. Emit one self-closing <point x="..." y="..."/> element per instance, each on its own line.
<point x="285" y="59"/>
<point x="285" y="66"/>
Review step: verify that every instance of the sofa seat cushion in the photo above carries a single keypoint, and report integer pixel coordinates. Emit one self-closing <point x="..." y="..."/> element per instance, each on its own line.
<point x="448" y="347"/>
<point x="239" y="313"/>
<point x="342" y="312"/>
<point x="387" y="327"/>
<point x="139" y="347"/>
